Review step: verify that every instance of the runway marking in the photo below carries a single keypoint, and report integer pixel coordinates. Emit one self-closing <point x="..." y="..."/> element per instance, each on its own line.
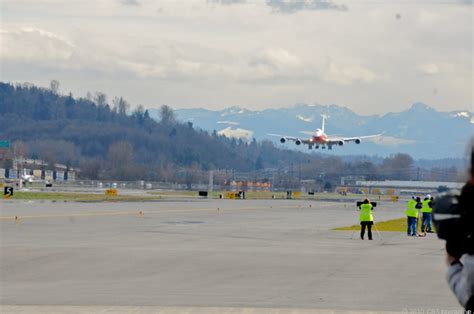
<point x="141" y="213"/>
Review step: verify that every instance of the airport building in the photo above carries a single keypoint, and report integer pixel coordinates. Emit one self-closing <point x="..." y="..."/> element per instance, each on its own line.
<point x="394" y="187"/>
<point x="38" y="170"/>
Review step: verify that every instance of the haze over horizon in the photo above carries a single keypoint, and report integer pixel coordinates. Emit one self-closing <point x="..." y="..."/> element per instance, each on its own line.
<point x="252" y="54"/>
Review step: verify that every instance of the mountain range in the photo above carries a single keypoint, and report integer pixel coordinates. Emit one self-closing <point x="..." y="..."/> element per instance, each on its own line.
<point x="420" y="131"/>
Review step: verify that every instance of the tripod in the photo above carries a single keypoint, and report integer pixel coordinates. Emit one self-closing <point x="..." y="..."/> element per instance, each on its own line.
<point x="375" y="227"/>
<point x="378" y="233"/>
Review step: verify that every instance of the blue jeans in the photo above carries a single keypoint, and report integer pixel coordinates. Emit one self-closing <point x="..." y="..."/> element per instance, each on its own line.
<point x="411" y="222"/>
<point x="426" y="222"/>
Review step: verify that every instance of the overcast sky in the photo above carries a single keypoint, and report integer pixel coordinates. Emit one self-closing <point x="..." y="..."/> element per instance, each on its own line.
<point x="371" y="56"/>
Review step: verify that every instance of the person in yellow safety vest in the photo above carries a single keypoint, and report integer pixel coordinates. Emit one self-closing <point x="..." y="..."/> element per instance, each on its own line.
<point x="412" y="217"/>
<point x="426" y="214"/>
<point x="366" y="218"/>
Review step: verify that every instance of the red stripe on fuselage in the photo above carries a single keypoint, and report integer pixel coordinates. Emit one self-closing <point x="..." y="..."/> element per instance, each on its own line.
<point x="320" y="139"/>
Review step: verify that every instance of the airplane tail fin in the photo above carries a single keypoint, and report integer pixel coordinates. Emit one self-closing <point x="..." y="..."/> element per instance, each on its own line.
<point x="324" y="121"/>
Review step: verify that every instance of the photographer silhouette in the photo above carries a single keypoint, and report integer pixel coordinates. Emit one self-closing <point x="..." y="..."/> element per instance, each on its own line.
<point x="453" y="216"/>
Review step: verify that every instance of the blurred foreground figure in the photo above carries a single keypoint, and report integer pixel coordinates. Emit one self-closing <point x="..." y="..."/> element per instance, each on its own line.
<point x="453" y="216"/>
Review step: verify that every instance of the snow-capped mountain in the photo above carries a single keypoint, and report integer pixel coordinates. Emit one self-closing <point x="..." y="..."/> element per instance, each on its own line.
<point x="420" y="130"/>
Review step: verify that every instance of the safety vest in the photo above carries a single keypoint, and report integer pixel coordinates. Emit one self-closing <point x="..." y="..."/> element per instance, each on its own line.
<point x="426" y="206"/>
<point x="411" y="211"/>
<point x="366" y="212"/>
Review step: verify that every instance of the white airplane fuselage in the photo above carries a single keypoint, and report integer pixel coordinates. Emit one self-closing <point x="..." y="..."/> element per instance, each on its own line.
<point x="319" y="137"/>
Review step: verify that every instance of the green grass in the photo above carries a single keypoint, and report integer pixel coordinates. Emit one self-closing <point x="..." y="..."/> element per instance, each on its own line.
<point x="154" y="195"/>
<point x="253" y="195"/>
<point x="80" y="197"/>
<point x="399" y="225"/>
<point x="256" y="195"/>
<point x="215" y="194"/>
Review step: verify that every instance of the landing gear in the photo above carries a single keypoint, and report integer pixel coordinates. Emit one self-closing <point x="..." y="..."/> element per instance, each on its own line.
<point x="317" y="146"/>
<point x="329" y="147"/>
<point x="323" y="147"/>
<point x="310" y="146"/>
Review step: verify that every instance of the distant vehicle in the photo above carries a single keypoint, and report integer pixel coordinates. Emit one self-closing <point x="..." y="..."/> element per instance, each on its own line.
<point x="320" y="139"/>
<point x="28" y="177"/>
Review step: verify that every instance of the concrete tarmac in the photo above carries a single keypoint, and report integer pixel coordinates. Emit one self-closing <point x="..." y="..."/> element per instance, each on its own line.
<point x="212" y="256"/>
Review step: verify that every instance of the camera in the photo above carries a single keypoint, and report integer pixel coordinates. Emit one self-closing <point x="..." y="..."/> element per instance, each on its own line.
<point x="453" y="217"/>
<point x="374" y="204"/>
<point x="454" y="224"/>
<point x="447" y="216"/>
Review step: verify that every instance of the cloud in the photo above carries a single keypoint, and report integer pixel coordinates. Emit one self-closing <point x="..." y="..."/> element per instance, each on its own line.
<point x="226" y="2"/>
<point x="305" y="119"/>
<point x="293" y="6"/>
<point x="129" y="2"/>
<point x="345" y="74"/>
<point x="391" y="141"/>
<point x="194" y="54"/>
<point x="269" y="64"/>
<point x="228" y="122"/>
<point x="30" y="44"/>
<point x="275" y="58"/>
<point x="428" y="68"/>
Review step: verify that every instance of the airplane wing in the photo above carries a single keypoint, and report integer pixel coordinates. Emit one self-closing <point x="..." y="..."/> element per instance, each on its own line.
<point x="357" y="139"/>
<point x="297" y="140"/>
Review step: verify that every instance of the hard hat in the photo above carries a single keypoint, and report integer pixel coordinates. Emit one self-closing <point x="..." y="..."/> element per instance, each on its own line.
<point x="428" y="196"/>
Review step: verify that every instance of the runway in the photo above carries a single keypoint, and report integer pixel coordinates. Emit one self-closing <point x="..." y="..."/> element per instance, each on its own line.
<point x="220" y="255"/>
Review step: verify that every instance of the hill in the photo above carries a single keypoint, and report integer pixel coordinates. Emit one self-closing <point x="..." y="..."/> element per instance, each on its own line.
<point x="104" y="140"/>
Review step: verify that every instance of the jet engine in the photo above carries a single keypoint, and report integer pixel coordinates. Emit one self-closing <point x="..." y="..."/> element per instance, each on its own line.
<point x="298" y="142"/>
<point x="340" y="143"/>
<point x="282" y="140"/>
<point x="357" y="141"/>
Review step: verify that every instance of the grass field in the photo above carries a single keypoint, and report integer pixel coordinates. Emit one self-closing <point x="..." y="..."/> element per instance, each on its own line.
<point x="268" y="195"/>
<point x="154" y="195"/>
<point x="215" y="194"/>
<point x="81" y="197"/>
<point x="399" y="225"/>
<point x="396" y="225"/>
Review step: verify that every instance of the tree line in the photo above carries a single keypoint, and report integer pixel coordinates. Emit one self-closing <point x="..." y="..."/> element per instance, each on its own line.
<point x="108" y="140"/>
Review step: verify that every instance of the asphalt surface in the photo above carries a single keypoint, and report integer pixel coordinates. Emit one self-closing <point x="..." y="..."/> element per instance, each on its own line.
<point x="212" y="256"/>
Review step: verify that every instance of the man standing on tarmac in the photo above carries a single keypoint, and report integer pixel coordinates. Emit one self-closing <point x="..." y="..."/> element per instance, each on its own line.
<point x="426" y="214"/>
<point x="412" y="217"/>
<point x="366" y="218"/>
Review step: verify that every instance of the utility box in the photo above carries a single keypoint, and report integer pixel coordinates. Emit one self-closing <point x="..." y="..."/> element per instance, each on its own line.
<point x="111" y="192"/>
<point x="230" y="195"/>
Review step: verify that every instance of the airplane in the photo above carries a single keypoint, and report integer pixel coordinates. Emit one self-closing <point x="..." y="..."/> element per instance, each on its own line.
<point x="320" y="139"/>
<point x="28" y="177"/>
